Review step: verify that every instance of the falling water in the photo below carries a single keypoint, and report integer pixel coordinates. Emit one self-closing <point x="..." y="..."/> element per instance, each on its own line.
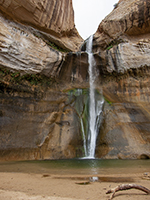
<point x="84" y="138"/>
<point x="95" y="107"/>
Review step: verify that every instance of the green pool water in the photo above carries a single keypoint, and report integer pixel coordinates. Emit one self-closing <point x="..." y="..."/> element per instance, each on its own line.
<point x="78" y="166"/>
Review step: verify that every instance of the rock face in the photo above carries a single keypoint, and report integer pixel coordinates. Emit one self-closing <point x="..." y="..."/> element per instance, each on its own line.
<point x="37" y="119"/>
<point x="129" y="18"/>
<point x="54" y="18"/>
<point x="21" y="50"/>
<point x="125" y="129"/>
<point x="40" y="86"/>
<point x="74" y="70"/>
<point x="122" y="51"/>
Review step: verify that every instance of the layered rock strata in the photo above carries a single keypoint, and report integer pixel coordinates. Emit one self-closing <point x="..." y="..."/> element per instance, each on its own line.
<point x="23" y="51"/>
<point x="54" y="19"/>
<point x="129" y="18"/>
<point x="122" y="51"/>
<point x="37" y="120"/>
<point x="39" y="116"/>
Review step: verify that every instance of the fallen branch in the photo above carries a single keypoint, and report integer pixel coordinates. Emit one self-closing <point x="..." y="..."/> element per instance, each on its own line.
<point x="126" y="187"/>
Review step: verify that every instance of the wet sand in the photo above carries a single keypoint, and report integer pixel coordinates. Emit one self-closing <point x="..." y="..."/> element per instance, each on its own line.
<point x="24" y="186"/>
<point x="72" y="179"/>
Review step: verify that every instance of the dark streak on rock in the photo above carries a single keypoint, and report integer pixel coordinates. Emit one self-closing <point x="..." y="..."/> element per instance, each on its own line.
<point x="54" y="13"/>
<point x="141" y="15"/>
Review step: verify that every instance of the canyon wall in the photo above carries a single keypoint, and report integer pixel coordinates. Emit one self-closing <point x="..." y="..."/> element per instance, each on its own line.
<point x="37" y="119"/>
<point x="52" y="20"/>
<point x="42" y="71"/>
<point x="122" y="46"/>
<point x="129" y="18"/>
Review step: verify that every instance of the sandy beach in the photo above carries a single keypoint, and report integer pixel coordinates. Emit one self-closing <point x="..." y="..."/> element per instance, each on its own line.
<point x="24" y="186"/>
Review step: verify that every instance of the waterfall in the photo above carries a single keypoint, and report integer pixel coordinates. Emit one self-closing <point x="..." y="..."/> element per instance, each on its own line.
<point x="88" y="105"/>
<point x="95" y="107"/>
<point x="84" y="138"/>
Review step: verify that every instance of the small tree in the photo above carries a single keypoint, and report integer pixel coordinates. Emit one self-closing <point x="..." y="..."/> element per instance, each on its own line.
<point x="115" y="5"/>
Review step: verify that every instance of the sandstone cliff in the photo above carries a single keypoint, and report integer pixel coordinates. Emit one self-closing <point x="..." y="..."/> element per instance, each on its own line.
<point x="122" y="51"/>
<point x="36" y="118"/>
<point x="128" y="19"/>
<point x="54" y="19"/>
<point x="40" y="108"/>
<point x="23" y="51"/>
<point x="38" y="121"/>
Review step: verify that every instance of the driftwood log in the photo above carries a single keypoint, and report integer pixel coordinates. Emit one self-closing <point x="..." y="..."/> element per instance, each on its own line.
<point x="126" y="187"/>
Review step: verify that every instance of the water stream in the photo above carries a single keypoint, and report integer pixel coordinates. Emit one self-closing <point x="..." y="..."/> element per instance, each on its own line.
<point x="88" y="104"/>
<point x="95" y="105"/>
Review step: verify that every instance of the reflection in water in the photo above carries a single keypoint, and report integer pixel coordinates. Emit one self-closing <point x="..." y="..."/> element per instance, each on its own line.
<point x="94" y="170"/>
<point x="91" y="167"/>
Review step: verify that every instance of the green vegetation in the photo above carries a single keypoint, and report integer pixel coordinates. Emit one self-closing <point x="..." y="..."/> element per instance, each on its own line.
<point x="113" y="43"/>
<point x="109" y="102"/>
<point x="109" y="47"/>
<point x="32" y="79"/>
<point x="56" y="47"/>
<point x="116" y="5"/>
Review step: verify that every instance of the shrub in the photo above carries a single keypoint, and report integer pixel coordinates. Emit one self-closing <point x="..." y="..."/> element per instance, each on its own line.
<point x="115" y="5"/>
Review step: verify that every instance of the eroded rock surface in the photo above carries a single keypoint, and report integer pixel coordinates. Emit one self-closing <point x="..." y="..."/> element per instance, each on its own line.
<point x="129" y="18"/>
<point x="37" y="122"/>
<point x="122" y="51"/>
<point x="54" y="17"/>
<point x="126" y="117"/>
<point x="22" y="51"/>
<point x="38" y="115"/>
